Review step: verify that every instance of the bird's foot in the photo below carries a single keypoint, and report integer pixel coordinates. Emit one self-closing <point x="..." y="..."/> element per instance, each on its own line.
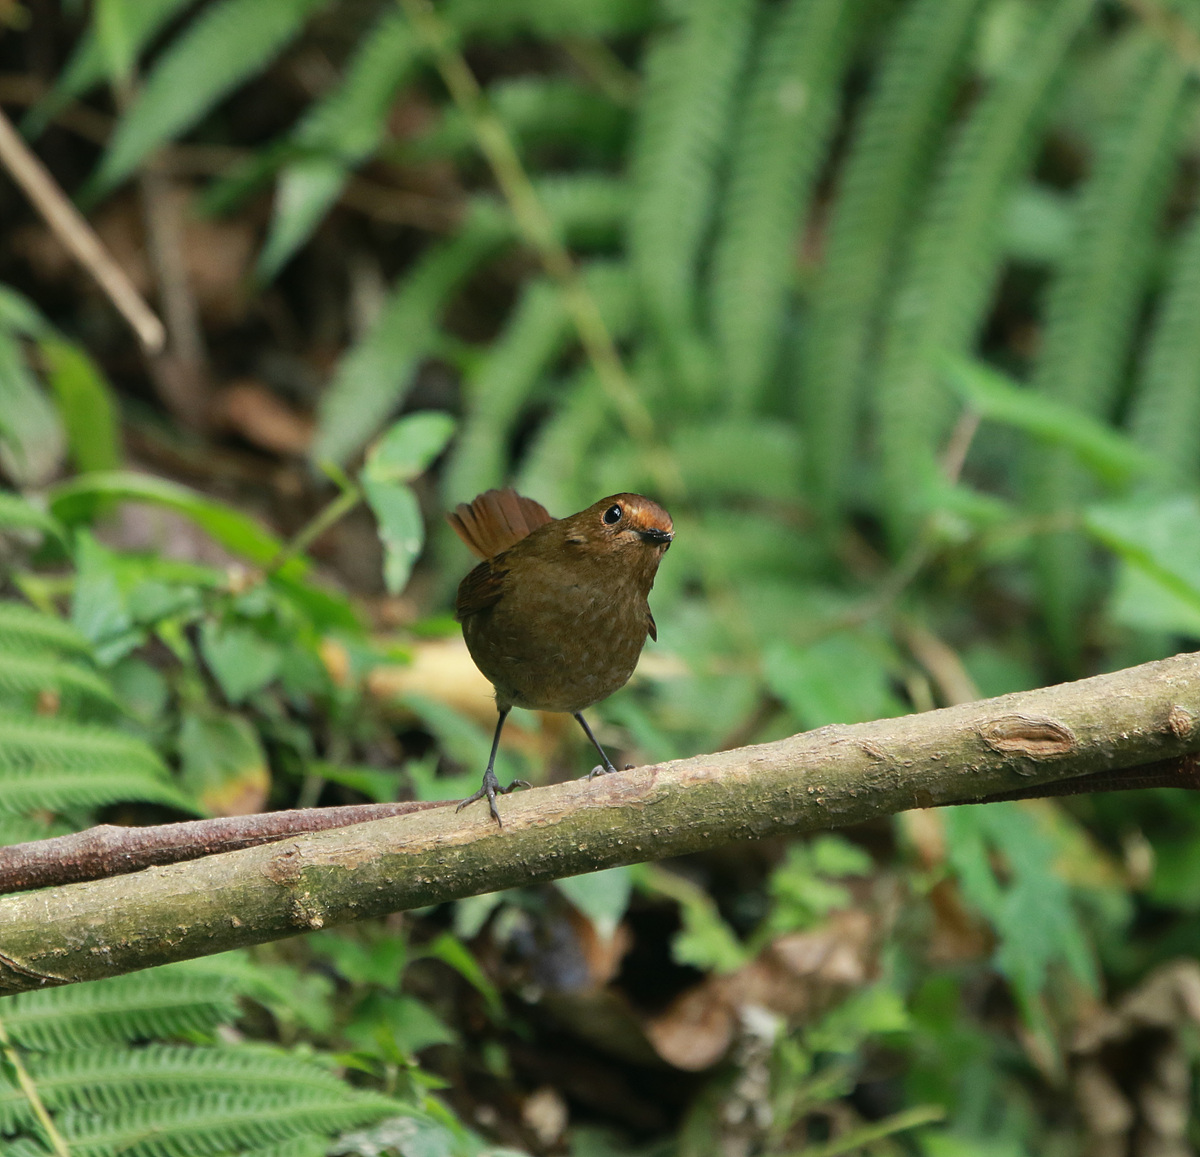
<point x="606" y="768"/>
<point x="489" y="789"/>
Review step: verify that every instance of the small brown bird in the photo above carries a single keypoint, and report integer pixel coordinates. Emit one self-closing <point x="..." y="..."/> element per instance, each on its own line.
<point x="556" y="614"/>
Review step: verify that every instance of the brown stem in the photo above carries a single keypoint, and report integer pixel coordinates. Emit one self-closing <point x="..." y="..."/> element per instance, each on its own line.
<point x="108" y="850"/>
<point x="181" y="372"/>
<point x="77" y="236"/>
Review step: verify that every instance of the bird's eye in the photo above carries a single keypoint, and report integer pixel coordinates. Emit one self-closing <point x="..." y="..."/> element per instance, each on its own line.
<point x="613" y="514"/>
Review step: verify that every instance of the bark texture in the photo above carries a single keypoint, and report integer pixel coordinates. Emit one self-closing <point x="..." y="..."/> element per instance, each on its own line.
<point x="819" y="779"/>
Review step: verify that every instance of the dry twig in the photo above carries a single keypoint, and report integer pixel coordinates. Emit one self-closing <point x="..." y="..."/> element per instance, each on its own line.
<point x="80" y="240"/>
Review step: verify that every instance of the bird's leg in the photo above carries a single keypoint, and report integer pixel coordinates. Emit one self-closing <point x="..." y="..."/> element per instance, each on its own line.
<point x="490" y="787"/>
<point x="607" y="767"/>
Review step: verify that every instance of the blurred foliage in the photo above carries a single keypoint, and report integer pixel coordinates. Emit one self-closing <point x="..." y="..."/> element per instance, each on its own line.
<point x="906" y="296"/>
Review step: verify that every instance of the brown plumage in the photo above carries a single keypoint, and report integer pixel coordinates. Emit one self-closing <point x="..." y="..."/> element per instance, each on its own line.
<point x="557" y="614"/>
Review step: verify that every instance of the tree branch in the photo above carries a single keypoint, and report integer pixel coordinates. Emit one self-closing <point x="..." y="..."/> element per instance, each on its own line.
<point x="109" y="850"/>
<point x="821" y="779"/>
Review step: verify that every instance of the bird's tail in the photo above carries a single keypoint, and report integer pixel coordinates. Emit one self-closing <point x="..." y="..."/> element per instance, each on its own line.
<point x="495" y="520"/>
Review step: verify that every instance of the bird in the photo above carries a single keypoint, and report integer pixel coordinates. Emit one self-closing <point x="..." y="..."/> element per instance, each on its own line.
<point x="557" y="613"/>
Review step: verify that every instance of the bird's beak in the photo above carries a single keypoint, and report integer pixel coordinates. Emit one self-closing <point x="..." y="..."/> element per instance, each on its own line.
<point x="656" y="537"/>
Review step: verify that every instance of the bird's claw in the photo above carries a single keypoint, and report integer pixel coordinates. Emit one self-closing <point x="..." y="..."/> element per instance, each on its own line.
<point x="489" y="789"/>
<point x="603" y="769"/>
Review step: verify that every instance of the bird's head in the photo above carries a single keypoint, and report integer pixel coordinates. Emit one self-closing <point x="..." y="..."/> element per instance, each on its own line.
<point x="628" y="526"/>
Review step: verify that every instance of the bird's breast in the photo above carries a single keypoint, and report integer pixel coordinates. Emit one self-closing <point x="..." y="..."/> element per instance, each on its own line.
<point x="554" y="642"/>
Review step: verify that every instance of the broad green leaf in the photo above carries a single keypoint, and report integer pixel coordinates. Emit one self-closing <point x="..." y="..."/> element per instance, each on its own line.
<point x="802" y="888"/>
<point x="842" y="679"/>
<point x="98" y="607"/>
<point x="31" y="438"/>
<point x="241" y="659"/>
<point x="602" y="897"/>
<point x="453" y="953"/>
<point x="17" y="513"/>
<point x="1140" y="600"/>
<point x="18" y="315"/>
<point x="224" y="765"/>
<point x="401" y="529"/>
<point x="401" y="455"/>
<point x="75" y="501"/>
<point x="88" y="66"/>
<point x="337" y="133"/>
<point x="1108" y="453"/>
<point x="1159" y="537"/>
<point x="865" y="1013"/>
<point x="411" y="1024"/>
<point x="373" y="782"/>
<point x="225" y="45"/>
<point x="86" y="406"/>
<point x="116" y="30"/>
<point x="380" y="961"/>
<point x="409" y="446"/>
<point x="305" y="191"/>
<point x="706" y="942"/>
<point x="1006" y="866"/>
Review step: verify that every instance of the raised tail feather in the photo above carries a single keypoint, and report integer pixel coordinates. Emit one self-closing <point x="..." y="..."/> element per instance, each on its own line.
<point x="495" y="520"/>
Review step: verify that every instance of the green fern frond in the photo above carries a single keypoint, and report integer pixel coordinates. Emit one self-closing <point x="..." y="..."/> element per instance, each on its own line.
<point x="38" y="744"/>
<point x="371" y="379"/>
<point x="780" y="140"/>
<point x="27" y="629"/>
<point x="217" y="1122"/>
<point x="550" y="467"/>
<point x="25" y="1147"/>
<point x="89" y="65"/>
<point x="55" y="765"/>
<point x="338" y="132"/>
<point x="889" y="156"/>
<point x="551" y="19"/>
<point x="534" y="109"/>
<point x="162" y="1002"/>
<point x="588" y="209"/>
<point x="111" y="1079"/>
<point x="943" y="291"/>
<point x="1093" y="307"/>
<point x="691" y="78"/>
<point x="22" y="678"/>
<point x="24" y="829"/>
<point x="535" y="336"/>
<point x="22" y="792"/>
<point x="1166" y="409"/>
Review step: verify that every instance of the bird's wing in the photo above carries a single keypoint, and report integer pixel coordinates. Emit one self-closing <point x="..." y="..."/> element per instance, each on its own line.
<point x="495" y="520"/>
<point x="651" y="625"/>
<point x="481" y="588"/>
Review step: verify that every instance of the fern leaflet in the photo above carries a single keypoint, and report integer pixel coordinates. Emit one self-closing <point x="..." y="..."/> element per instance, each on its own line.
<point x="954" y="258"/>
<point x="889" y="156"/>
<point x="1093" y="308"/>
<point x="779" y="143"/>
<point x="1166" y="412"/>
<point x="690" y="89"/>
